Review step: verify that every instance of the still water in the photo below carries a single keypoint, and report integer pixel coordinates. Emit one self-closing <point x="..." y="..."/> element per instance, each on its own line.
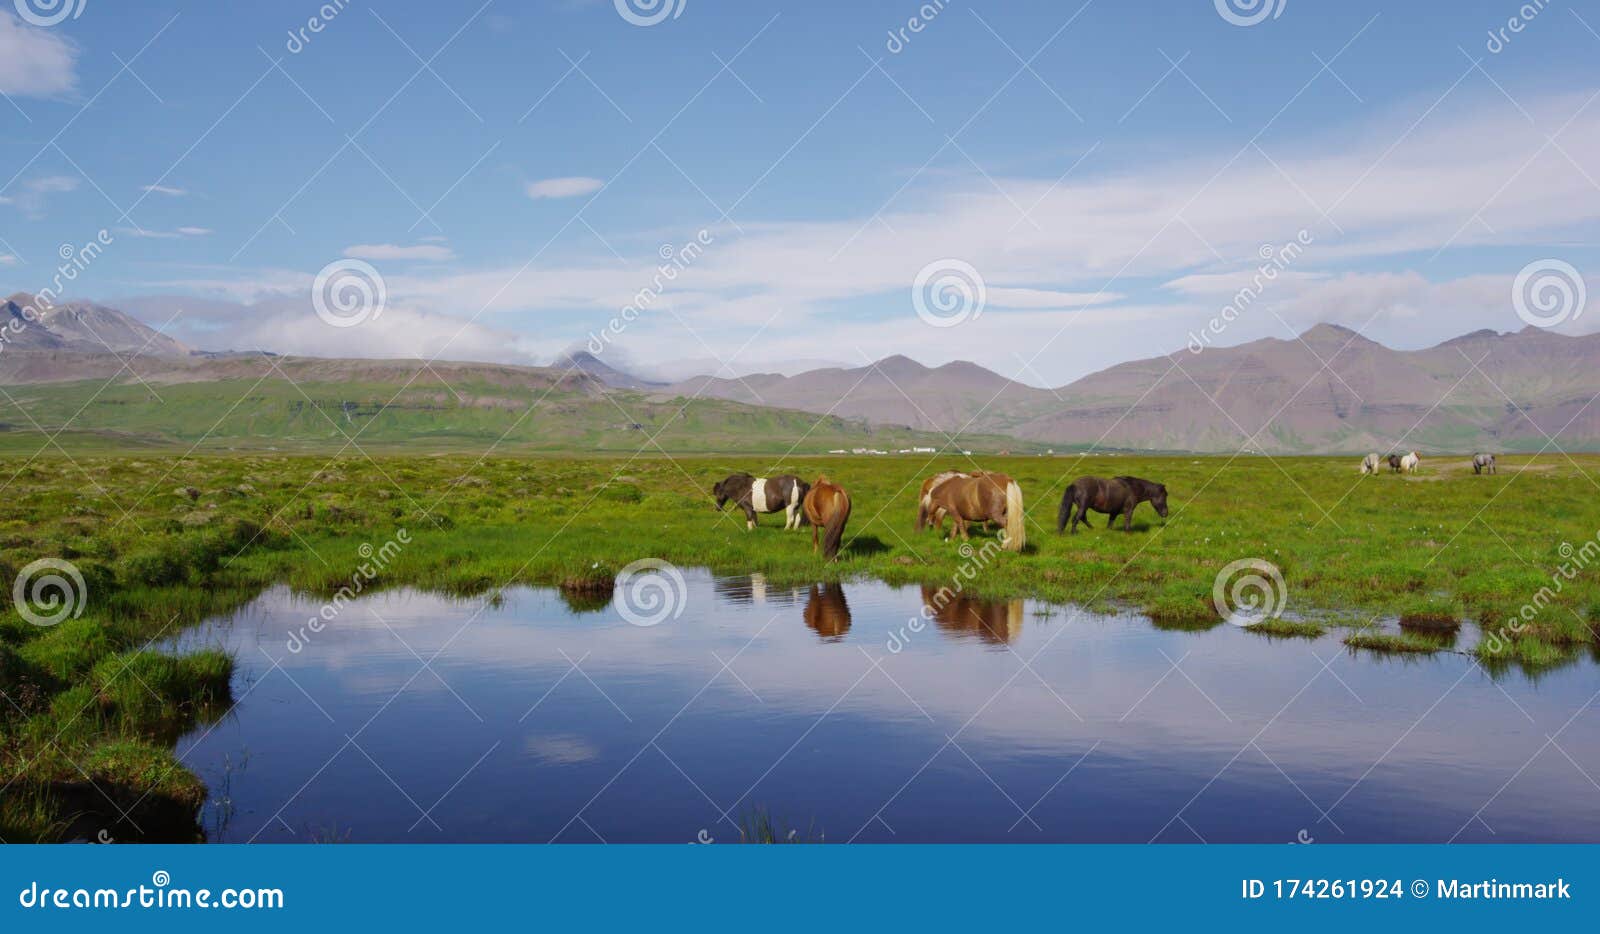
<point x="844" y="714"/>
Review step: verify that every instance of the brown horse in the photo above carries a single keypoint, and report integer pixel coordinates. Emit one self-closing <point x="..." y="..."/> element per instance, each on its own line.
<point x="979" y="499"/>
<point x="827" y="507"/>
<point x="927" y="489"/>
<point x="925" y="513"/>
<point x="1117" y="496"/>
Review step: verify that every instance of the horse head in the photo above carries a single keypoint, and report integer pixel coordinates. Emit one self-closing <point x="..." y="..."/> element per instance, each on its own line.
<point x="1158" y="498"/>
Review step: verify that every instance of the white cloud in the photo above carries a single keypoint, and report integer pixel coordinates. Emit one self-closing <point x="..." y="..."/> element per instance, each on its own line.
<point x="30" y="196"/>
<point x="389" y="251"/>
<point x="146" y="233"/>
<point x="35" y="62"/>
<point x="6" y="259"/>
<point x="164" y="190"/>
<point x="569" y="187"/>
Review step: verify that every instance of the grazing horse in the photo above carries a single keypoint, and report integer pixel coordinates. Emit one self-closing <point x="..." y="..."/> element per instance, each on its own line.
<point x="1394" y="463"/>
<point x="1116" y="497"/>
<point x="1369" y="464"/>
<point x="763" y="494"/>
<point x="1482" y="462"/>
<point x="1408" y="464"/>
<point x="923" y="501"/>
<point x="980" y="499"/>
<point x="925" y="513"/>
<point x="827" y="508"/>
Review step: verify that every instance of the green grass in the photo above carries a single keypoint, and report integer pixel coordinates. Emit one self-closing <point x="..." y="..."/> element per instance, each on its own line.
<point x="164" y="541"/>
<point x="1402" y="644"/>
<point x="1288" y="629"/>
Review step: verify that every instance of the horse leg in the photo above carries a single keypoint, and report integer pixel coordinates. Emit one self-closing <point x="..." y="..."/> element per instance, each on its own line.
<point x="813" y="538"/>
<point x="1127" y="521"/>
<point x="1113" y="520"/>
<point x="749" y="517"/>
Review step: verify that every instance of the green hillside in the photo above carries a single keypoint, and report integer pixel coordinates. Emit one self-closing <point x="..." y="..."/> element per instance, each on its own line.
<point x="275" y="414"/>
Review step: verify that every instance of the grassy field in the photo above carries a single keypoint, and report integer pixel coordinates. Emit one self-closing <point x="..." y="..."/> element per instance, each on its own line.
<point x="92" y="708"/>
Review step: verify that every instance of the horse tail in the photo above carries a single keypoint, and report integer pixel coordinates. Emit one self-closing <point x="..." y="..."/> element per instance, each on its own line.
<point x="1068" y="500"/>
<point x="1016" y="522"/>
<point x="833" y="532"/>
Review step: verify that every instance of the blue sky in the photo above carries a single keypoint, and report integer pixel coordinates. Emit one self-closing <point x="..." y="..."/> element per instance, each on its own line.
<point x="1111" y="172"/>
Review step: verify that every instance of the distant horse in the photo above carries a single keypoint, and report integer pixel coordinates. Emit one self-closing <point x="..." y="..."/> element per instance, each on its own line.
<point x="827" y="508"/>
<point x="1408" y="464"/>
<point x="1369" y="464"/>
<point x="763" y="494"/>
<point x="1394" y="463"/>
<point x="1116" y="497"/>
<point x="1482" y="462"/>
<point x="924" y="501"/>
<point x="978" y="499"/>
<point x="826" y="611"/>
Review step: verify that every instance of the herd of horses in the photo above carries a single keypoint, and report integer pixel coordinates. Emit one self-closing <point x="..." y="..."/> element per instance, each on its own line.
<point x="963" y="497"/>
<point x="1408" y="463"/>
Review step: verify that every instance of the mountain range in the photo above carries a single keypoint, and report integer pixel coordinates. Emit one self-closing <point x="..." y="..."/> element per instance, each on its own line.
<point x="1326" y="390"/>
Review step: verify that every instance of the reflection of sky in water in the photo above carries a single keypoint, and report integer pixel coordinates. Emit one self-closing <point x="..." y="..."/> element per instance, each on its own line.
<point x="535" y="723"/>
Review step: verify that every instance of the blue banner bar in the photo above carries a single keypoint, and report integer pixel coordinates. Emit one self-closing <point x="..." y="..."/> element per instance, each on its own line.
<point x="1312" y="887"/>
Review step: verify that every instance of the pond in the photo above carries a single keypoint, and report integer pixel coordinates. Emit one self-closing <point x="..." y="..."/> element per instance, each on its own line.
<point x="848" y="713"/>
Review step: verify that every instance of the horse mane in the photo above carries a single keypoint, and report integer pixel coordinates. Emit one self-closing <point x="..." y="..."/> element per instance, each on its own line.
<point x="1137" y="483"/>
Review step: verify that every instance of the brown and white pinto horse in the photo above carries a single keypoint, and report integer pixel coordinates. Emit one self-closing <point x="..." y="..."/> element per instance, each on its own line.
<point x="827" y="508"/>
<point x="757" y="495"/>
<point x="990" y="496"/>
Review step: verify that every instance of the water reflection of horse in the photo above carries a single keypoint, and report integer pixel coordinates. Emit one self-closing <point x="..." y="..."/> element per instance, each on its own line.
<point x="993" y="621"/>
<point x="827" y="613"/>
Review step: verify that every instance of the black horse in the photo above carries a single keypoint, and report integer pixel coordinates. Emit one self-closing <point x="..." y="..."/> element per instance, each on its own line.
<point x="1117" y="497"/>
<point x="755" y="495"/>
<point x="1394" y="463"/>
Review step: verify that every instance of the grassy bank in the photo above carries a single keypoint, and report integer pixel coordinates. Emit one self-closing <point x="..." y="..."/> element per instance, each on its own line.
<point x="92" y="706"/>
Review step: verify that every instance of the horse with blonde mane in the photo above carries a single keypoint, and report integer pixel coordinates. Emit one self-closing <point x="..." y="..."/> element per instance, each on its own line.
<point x="989" y="496"/>
<point x="1369" y="464"/>
<point x="1408" y="464"/>
<point x="827" y="508"/>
